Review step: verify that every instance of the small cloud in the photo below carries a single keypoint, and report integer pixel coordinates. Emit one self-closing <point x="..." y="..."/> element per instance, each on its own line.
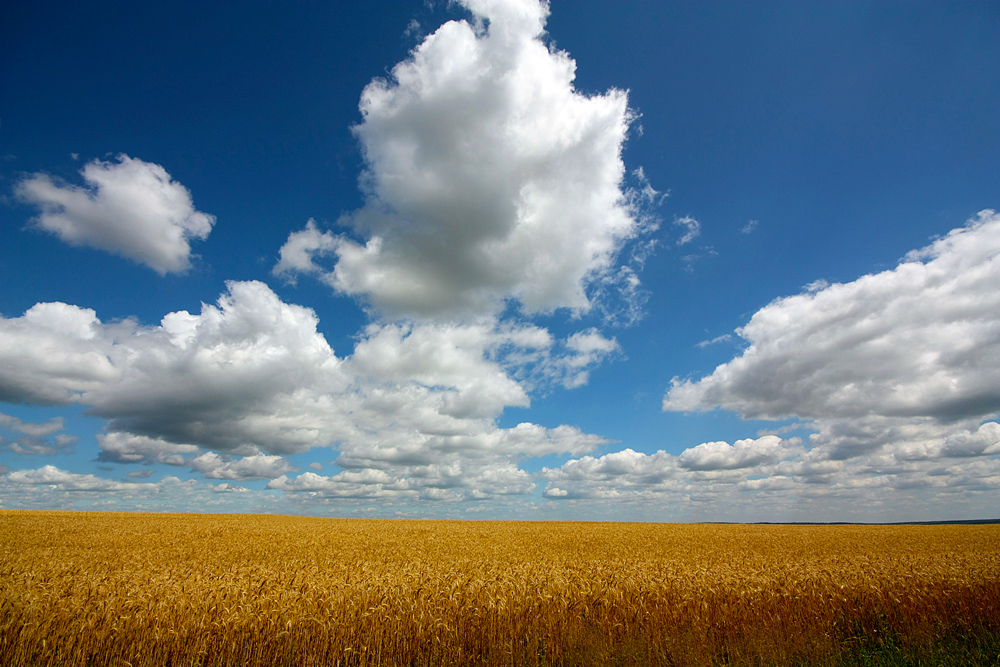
<point x="645" y="189"/>
<point x="315" y="465"/>
<point x="129" y="208"/>
<point x="296" y="255"/>
<point x="413" y="30"/>
<point x="781" y="430"/>
<point x="749" y="227"/>
<point x="718" y="339"/>
<point x="692" y="228"/>
<point x="140" y="474"/>
<point x="816" y="286"/>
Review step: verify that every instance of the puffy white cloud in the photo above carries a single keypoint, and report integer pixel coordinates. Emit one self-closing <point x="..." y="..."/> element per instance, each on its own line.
<point x="255" y="466"/>
<point x="249" y="371"/>
<point x="900" y="440"/>
<point x="54" y="477"/>
<point x="741" y="454"/>
<point x="296" y="255"/>
<point x="984" y="441"/>
<point x="52" y="355"/>
<point x="488" y="177"/>
<point x="613" y="475"/>
<point x="919" y="341"/>
<point x="450" y="357"/>
<point x="251" y="376"/>
<point x="129" y="207"/>
<point x="459" y="479"/>
<point x="769" y="478"/>
<point x="119" y="447"/>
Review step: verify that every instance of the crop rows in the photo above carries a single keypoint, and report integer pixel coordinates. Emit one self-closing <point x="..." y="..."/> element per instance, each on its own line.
<point x="153" y="589"/>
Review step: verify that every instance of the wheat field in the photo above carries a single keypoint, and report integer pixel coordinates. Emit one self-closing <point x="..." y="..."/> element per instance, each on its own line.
<point x="171" y="589"/>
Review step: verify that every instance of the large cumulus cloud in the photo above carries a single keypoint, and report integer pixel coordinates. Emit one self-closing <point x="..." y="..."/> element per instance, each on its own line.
<point x="488" y="177"/>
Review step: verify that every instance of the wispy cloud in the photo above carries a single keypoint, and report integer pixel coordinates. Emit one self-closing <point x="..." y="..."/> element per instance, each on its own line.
<point x="691" y="227"/>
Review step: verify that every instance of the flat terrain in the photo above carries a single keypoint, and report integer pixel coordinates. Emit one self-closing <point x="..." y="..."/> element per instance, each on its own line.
<point x="170" y="589"/>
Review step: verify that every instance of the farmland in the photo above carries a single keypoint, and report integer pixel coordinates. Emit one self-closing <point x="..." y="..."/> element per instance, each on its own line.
<point x="171" y="589"/>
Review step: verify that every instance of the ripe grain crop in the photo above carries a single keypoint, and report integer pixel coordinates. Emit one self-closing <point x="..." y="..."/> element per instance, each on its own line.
<point x="162" y="589"/>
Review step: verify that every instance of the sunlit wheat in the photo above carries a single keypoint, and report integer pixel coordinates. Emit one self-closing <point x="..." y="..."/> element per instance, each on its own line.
<point x="145" y="589"/>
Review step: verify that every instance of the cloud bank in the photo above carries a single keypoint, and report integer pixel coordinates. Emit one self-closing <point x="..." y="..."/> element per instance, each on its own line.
<point x="251" y="379"/>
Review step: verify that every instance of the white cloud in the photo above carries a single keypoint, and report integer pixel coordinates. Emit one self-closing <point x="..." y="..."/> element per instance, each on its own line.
<point x="251" y="376"/>
<point x="450" y="357"/>
<point x="749" y="227"/>
<point x="920" y="341"/>
<point x="52" y="354"/>
<point x="54" y="425"/>
<point x="724" y="338"/>
<point x="119" y="447"/>
<point x="296" y="255"/>
<point x="256" y="466"/>
<point x="62" y="443"/>
<point x="691" y="227"/>
<point x="53" y="488"/>
<point x="251" y="371"/>
<point x="586" y="349"/>
<point x="488" y="178"/>
<point x="130" y="208"/>
<point x="984" y="441"/>
<point x="776" y="480"/>
<point x="741" y="454"/>
<point x="462" y="479"/>
<point x="248" y="371"/>
<point x="611" y="476"/>
<point x="38" y="439"/>
<point x="56" y="478"/>
<point x="903" y="438"/>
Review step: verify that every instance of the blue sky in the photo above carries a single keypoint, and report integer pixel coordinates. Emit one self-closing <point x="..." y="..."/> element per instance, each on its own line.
<point x="498" y="259"/>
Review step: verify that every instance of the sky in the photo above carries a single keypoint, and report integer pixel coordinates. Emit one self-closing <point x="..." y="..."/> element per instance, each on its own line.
<point x="502" y="259"/>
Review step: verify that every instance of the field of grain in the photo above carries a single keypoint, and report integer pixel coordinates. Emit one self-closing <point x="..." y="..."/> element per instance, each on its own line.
<point x="154" y="589"/>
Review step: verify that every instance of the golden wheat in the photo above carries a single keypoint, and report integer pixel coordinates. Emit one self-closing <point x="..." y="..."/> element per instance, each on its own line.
<point x="145" y="589"/>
